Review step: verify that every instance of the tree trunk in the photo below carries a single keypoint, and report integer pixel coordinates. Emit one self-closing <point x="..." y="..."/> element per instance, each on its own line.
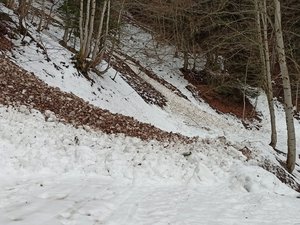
<point x="22" y="12"/>
<point x="49" y="17"/>
<point x="42" y="18"/>
<point x="99" y="34"/>
<point x="297" y="95"/>
<point x="291" y="158"/>
<point x="261" y="10"/>
<point x="107" y="26"/>
<point x="91" y="30"/>
<point x="83" y="45"/>
<point x="185" y="60"/>
<point x="81" y="21"/>
<point x="66" y="35"/>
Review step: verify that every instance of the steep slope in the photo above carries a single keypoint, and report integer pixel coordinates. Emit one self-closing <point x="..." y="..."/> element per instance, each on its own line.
<point x="20" y="88"/>
<point x="66" y="158"/>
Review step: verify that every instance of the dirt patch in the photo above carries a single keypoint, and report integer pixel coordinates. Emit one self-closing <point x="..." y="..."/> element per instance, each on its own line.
<point x="226" y="104"/>
<point x="220" y="102"/>
<point x="19" y="87"/>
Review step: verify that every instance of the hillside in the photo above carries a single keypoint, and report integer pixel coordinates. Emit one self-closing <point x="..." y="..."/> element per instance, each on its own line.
<point x="133" y="146"/>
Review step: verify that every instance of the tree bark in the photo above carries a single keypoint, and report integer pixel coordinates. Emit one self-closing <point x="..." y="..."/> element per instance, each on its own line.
<point x="83" y="45"/>
<point x="42" y="17"/>
<point x="91" y="30"/>
<point x="81" y="21"/>
<point x="265" y="57"/>
<point x="22" y="11"/>
<point x="291" y="139"/>
<point x="297" y="95"/>
<point x="99" y="34"/>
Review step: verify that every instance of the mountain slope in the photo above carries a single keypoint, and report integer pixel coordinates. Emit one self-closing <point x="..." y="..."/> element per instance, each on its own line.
<point x="67" y="158"/>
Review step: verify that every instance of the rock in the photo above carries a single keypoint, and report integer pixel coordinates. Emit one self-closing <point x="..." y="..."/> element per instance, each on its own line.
<point x="24" y="109"/>
<point x="50" y="116"/>
<point x="186" y="154"/>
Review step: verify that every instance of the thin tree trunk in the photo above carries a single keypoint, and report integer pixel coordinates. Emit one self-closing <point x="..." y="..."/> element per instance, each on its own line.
<point x="244" y="90"/>
<point x="185" y="60"/>
<point x="22" y="12"/>
<point x="85" y="32"/>
<point x="66" y="34"/>
<point x="49" y="17"/>
<point x="42" y="18"/>
<point x="297" y="95"/>
<point x="115" y="39"/>
<point x="67" y="24"/>
<point x="99" y="35"/>
<point x="265" y="54"/>
<point x="104" y="42"/>
<point x="91" y="30"/>
<point x="107" y="24"/>
<point x="291" y="158"/>
<point x="119" y="19"/>
<point x="81" y="22"/>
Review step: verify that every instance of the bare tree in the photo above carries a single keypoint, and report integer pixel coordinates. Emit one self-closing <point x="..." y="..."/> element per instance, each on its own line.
<point x="90" y="45"/>
<point x="99" y="36"/>
<point x="291" y="158"/>
<point x="22" y="10"/>
<point x="262" y="29"/>
<point x="42" y="17"/>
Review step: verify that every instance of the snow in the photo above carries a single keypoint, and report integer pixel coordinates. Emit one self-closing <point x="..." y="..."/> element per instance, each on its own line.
<point x="190" y="118"/>
<point x="57" y="203"/>
<point x="141" y="45"/>
<point x="52" y="173"/>
<point x="108" y="93"/>
<point x="49" y="178"/>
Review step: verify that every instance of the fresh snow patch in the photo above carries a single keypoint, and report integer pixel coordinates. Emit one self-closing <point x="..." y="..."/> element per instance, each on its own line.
<point x="56" y="174"/>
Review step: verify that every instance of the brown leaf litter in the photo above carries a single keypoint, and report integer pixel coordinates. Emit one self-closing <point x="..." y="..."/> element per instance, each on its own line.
<point x="19" y="87"/>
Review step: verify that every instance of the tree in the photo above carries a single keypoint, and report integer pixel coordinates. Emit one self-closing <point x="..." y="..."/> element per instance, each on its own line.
<point x="42" y="17"/>
<point x="70" y="14"/>
<point x="22" y="10"/>
<point x="88" y="46"/>
<point x="291" y="158"/>
<point x="263" y="42"/>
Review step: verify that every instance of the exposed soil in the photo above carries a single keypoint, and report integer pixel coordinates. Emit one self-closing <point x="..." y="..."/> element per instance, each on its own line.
<point x="225" y="104"/>
<point x="19" y="87"/>
<point x="221" y="103"/>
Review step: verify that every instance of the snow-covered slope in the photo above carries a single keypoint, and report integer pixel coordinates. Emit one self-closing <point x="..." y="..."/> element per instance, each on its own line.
<point x="112" y="92"/>
<point x="56" y="174"/>
<point x="52" y="173"/>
